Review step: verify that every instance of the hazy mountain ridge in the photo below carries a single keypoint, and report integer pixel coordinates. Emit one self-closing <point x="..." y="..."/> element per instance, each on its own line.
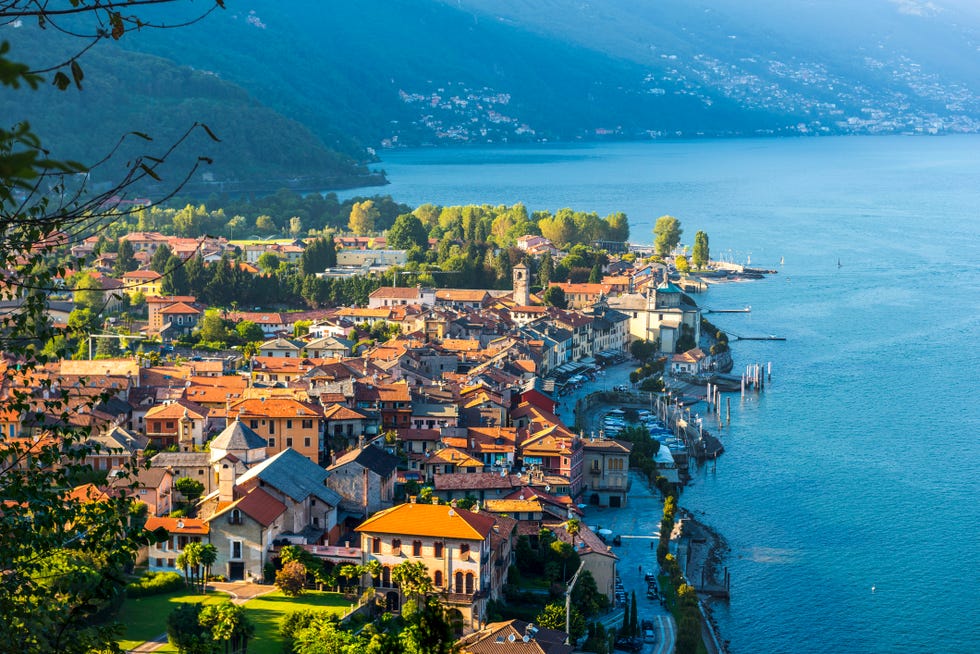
<point x="874" y="66"/>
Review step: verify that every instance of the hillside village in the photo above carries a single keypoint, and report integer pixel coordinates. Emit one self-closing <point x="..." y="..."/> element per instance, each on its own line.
<point x="446" y="443"/>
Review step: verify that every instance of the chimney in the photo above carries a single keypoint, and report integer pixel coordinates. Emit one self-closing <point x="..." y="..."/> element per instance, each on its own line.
<point x="226" y="482"/>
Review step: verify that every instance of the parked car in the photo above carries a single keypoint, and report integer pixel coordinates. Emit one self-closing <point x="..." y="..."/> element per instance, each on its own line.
<point x="617" y="540"/>
<point x="649" y="636"/>
<point x="629" y="644"/>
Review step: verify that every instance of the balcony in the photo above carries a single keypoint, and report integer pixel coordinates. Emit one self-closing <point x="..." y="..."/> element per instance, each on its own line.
<point x="595" y="471"/>
<point x="465" y="598"/>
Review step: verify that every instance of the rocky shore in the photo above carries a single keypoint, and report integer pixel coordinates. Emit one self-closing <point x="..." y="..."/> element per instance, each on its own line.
<point x="705" y="570"/>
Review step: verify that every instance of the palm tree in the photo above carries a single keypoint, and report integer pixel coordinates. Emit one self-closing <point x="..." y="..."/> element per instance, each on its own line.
<point x="573" y="527"/>
<point x="413" y="579"/>
<point x="208" y="555"/>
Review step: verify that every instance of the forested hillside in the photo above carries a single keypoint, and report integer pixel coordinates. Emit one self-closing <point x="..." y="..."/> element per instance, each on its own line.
<point x="124" y="92"/>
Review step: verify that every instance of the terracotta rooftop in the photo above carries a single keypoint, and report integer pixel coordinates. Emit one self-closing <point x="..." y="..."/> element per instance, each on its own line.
<point x="436" y="520"/>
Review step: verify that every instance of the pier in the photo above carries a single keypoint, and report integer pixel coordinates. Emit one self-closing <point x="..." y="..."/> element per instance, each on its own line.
<point x="742" y="310"/>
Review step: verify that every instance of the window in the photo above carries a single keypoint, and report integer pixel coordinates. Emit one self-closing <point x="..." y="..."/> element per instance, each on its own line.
<point x="437" y="550"/>
<point x="416" y="548"/>
<point x="396" y="545"/>
<point x="159" y="563"/>
<point x="307" y="424"/>
<point x="375" y="545"/>
<point x="170" y="424"/>
<point x="170" y="563"/>
<point x="464" y="550"/>
<point x="289" y="442"/>
<point x="253" y="424"/>
<point x="459" y="582"/>
<point x="469" y="583"/>
<point x="272" y="442"/>
<point x="272" y="426"/>
<point x="306" y="442"/>
<point x="236" y="549"/>
<point x="235" y="517"/>
<point x="437" y="579"/>
<point x="289" y="424"/>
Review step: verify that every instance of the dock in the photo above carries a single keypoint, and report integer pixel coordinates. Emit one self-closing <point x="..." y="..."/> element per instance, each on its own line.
<point x="759" y="338"/>
<point x="742" y="310"/>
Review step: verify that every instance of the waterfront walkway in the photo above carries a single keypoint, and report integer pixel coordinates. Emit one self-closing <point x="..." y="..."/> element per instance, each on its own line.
<point x="638" y="523"/>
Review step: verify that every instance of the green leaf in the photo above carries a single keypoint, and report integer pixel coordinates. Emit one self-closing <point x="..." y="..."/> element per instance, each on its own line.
<point x="77" y="74"/>
<point x="149" y="171"/>
<point x="61" y="81"/>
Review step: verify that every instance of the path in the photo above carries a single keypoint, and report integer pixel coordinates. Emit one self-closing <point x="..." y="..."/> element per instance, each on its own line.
<point x="638" y="523"/>
<point x="240" y="593"/>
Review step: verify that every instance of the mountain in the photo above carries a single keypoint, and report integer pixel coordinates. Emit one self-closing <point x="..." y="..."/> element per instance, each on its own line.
<point x="126" y="92"/>
<point x="443" y="71"/>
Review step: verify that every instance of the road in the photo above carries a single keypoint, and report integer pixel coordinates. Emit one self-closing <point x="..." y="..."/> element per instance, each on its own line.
<point x="638" y="524"/>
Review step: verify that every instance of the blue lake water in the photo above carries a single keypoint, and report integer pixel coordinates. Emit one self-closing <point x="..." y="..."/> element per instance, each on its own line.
<point x="858" y="465"/>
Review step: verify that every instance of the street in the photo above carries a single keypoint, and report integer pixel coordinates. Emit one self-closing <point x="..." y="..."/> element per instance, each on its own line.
<point x="638" y="524"/>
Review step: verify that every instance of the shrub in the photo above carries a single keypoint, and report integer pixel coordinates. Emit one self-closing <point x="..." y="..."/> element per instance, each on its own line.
<point x="291" y="580"/>
<point x="155" y="583"/>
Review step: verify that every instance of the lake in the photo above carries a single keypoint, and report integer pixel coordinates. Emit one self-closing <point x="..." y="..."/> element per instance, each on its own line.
<point x="857" y="466"/>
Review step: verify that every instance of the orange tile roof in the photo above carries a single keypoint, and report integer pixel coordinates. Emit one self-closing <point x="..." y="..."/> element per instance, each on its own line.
<point x="434" y="520"/>
<point x="340" y="412"/>
<point x="275" y="407"/>
<point x="191" y="526"/>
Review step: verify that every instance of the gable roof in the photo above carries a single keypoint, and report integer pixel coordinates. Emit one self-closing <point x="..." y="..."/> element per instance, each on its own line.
<point x="258" y="505"/>
<point x="191" y="526"/>
<point x="371" y="457"/>
<point x="294" y="475"/>
<point x="437" y="520"/>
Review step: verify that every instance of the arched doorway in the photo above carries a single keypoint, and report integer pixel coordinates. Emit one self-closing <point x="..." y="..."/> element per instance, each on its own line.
<point x="456" y="620"/>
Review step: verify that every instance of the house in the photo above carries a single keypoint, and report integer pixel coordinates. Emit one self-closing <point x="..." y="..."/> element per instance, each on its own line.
<point x="691" y="362"/>
<point x="155" y="304"/>
<point x="365" y="479"/>
<point x="281" y="347"/>
<point x="515" y="637"/>
<point x="371" y="258"/>
<point x="607" y="481"/>
<point x="482" y="486"/>
<point x="285" y="423"/>
<point x="461" y="298"/>
<point x="179" y="319"/>
<point x="281" y="499"/>
<point x="328" y="347"/>
<point x="453" y="544"/>
<point x="389" y="296"/>
<point x="555" y="451"/>
<point x="178" y="424"/>
<point x="154" y="488"/>
<point x="116" y="447"/>
<point x="162" y="555"/>
<point x="448" y="460"/>
<point x="241" y="442"/>
<point x="271" y="322"/>
<point x="196" y="465"/>
<point x="146" y="282"/>
<point x="581" y="295"/>
<point x="596" y="557"/>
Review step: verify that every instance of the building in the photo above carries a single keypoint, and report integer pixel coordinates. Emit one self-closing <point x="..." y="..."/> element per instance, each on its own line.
<point x="162" y="555"/>
<point x="691" y="362"/>
<point x="607" y="466"/>
<point x="522" y="285"/>
<point x="365" y="479"/>
<point x="178" y="424"/>
<point x="371" y="258"/>
<point x="284" y="423"/>
<point x="389" y="296"/>
<point x="515" y="637"/>
<point x="453" y="544"/>
<point x="282" y="499"/>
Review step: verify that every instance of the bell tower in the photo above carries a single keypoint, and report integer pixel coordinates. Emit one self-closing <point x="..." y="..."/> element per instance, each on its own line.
<point x="522" y="286"/>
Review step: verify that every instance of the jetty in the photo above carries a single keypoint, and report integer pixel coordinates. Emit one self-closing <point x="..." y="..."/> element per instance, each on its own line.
<point x="742" y="310"/>
<point x="759" y="338"/>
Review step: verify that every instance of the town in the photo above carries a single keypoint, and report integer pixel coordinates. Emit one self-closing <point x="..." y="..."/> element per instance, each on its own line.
<point x="479" y="435"/>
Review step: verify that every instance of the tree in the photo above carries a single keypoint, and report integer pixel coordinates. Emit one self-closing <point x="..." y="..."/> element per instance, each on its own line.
<point x="680" y="262"/>
<point x="413" y="579"/>
<point x="228" y="624"/>
<point x="268" y="262"/>
<point x="213" y="328"/>
<point x="184" y="630"/>
<point x="700" y="255"/>
<point x="295" y="226"/>
<point x="553" y="617"/>
<point x="362" y="217"/>
<point x="208" y="555"/>
<point x="89" y="294"/>
<point x="555" y="296"/>
<point x="189" y="487"/>
<point x="125" y="258"/>
<point x="573" y="526"/>
<point x="249" y="332"/>
<point x="62" y="557"/>
<point x="407" y="232"/>
<point x="429" y="630"/>
<point x="617" y="227"/>
<point x="595" y="276"/>
<point x="265" y="224"/>
<point x="291" y="579"/>
<point x="175" y="280"/>
<point x="667" y="235"/>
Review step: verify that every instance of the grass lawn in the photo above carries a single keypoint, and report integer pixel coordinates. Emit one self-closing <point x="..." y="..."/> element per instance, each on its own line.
<point x="266" y="612"/>
<point x="146" y="617"/>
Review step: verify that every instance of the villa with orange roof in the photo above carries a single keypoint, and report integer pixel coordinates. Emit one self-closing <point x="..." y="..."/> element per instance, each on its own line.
<point x="162" y="556"/>
<point x="181" y="424"/>
<point x="453" y="544"/>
